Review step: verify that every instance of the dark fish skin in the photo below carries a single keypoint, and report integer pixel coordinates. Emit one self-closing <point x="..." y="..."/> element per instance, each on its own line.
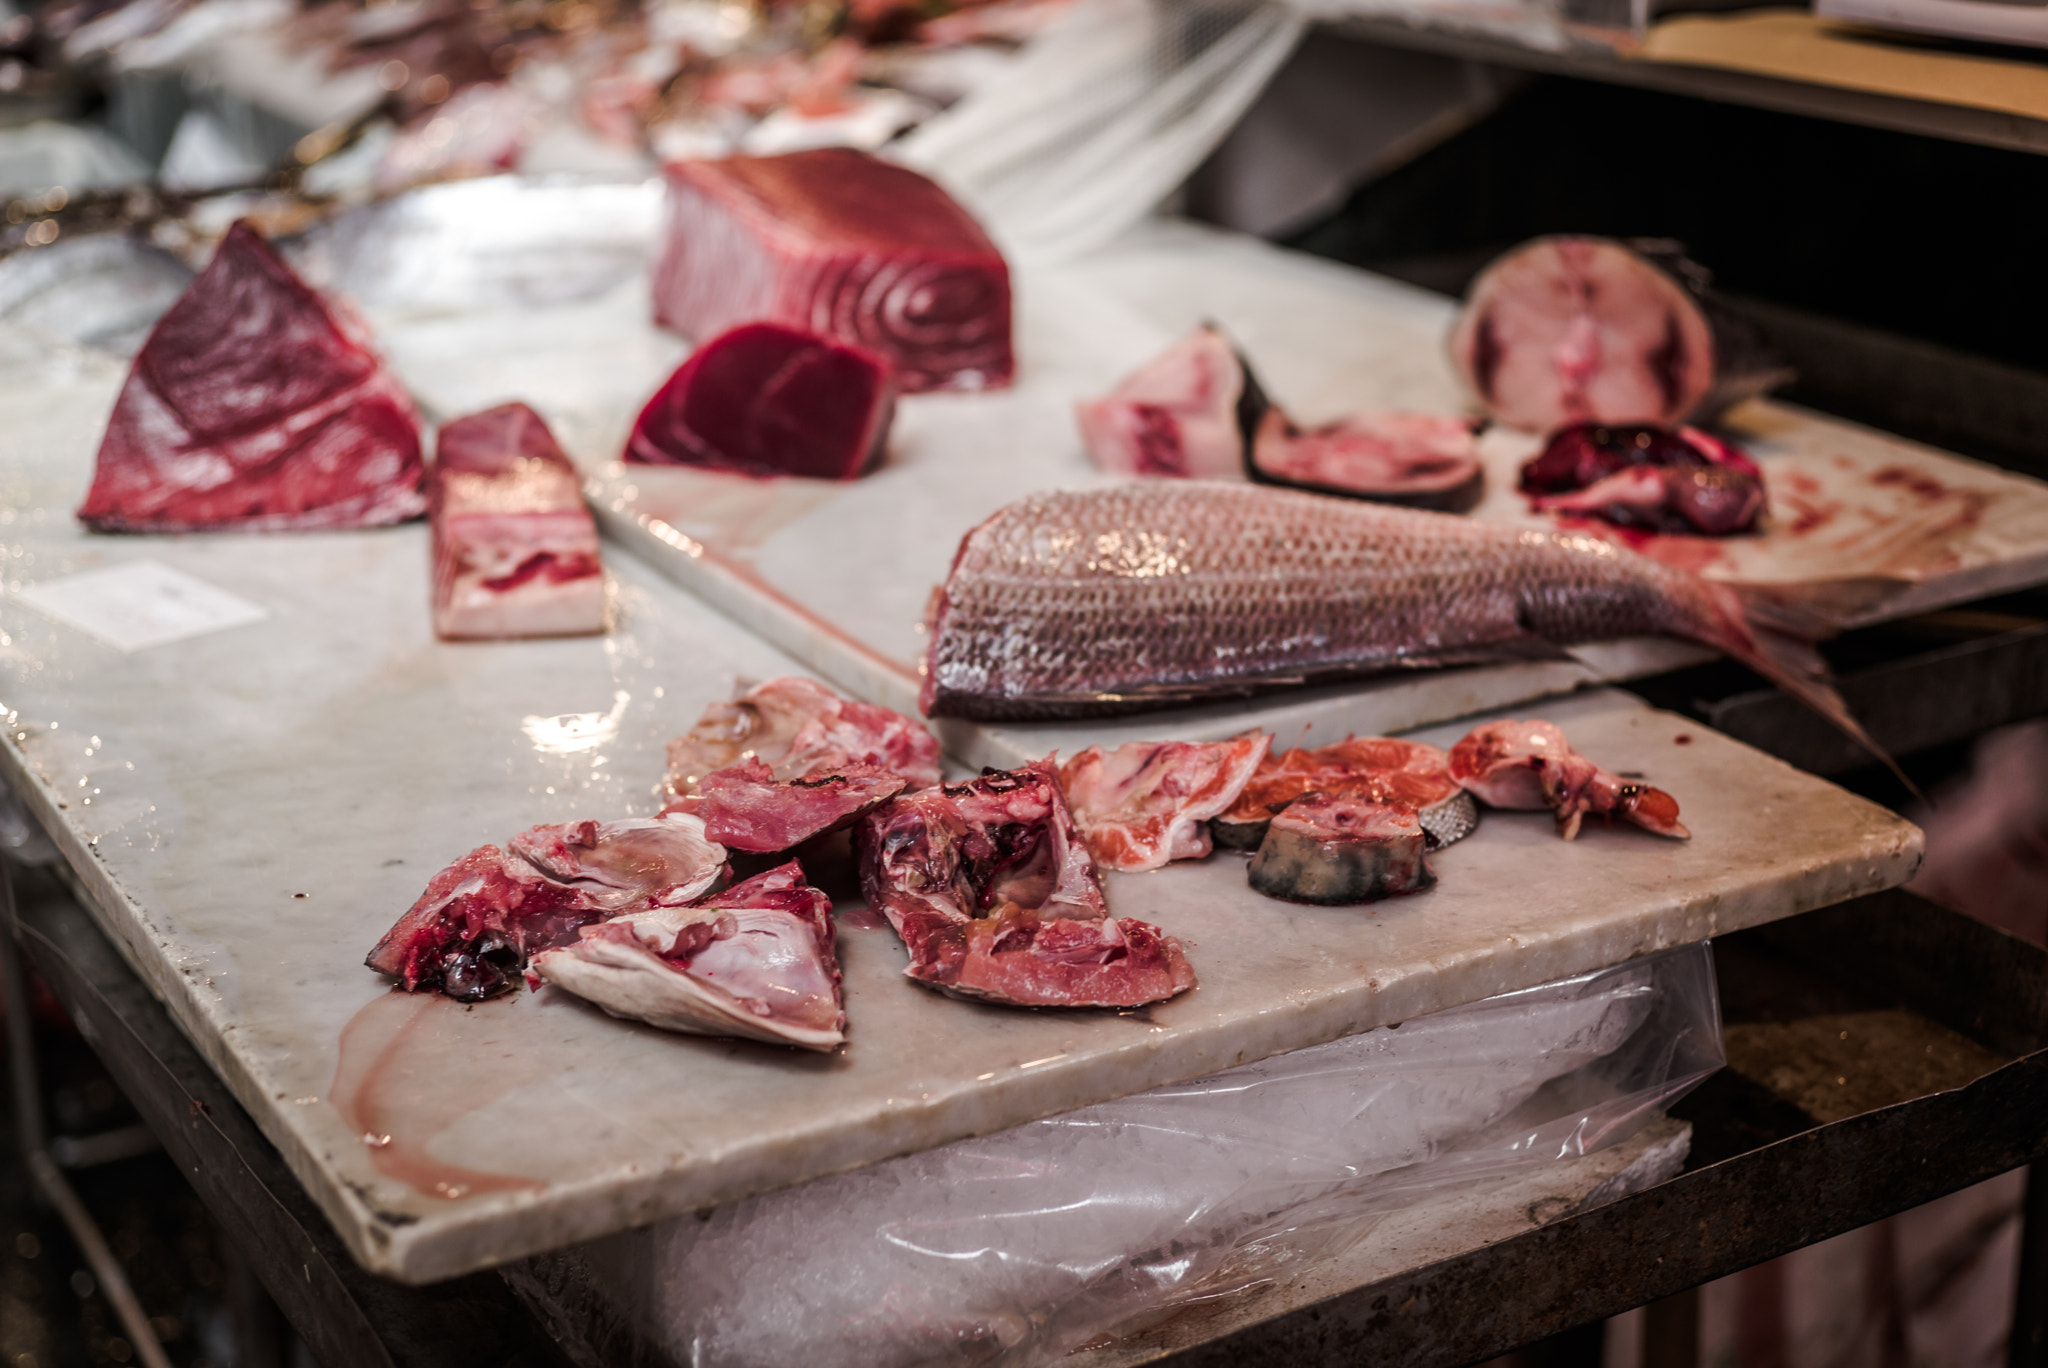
<point x="1090" y="603"/>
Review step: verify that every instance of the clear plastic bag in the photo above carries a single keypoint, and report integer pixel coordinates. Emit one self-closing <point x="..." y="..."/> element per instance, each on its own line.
<point x="1014" y="1248"/>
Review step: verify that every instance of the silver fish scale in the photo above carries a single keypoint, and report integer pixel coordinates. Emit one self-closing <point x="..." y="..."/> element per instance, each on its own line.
<point x="1089" y="602"/>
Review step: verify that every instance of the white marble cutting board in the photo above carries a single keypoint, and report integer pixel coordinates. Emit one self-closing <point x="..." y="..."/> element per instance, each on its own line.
<point x="248" y="810"/>
<point x="1864" y="525"/>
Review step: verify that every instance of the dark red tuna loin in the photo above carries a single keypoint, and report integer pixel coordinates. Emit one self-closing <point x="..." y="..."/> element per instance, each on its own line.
<point x="255" y="404"/>
<point x="1580" y="329"/>
<point x="1417" y="460"/>
<point x="765" y="399"/>
<point x="996" y="898"/>
<point x="1658" y="479"/>
<point x="515" y="550"/>
<point x="745" y="807"/>
<point x="1337" y="850"/>
<point x="843" y="244"/>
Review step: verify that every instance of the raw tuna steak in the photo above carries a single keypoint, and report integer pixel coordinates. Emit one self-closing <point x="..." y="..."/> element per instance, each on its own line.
<point x="1578" y="329"/>
<point x="764" y="399"/>
<point x="1417" y="460"/>
<point x="479" y="920"/>
<point x="515" y="550"/>
<point x="1530" y="765"/>
<point x="800" y="729"/>
<point x="1149" y="802"/>
<point x="1337" y="850"/>
<point x="1656" y="479"/>
<point x="1086" y="603"/>
<point x="993" y="892"/>
<point x="1187" y="413"/>
<point x="755" y="961"/>
<point x="1405" y="774"/>
<point x="843" y="244"/>
<point x="255" y="404"/>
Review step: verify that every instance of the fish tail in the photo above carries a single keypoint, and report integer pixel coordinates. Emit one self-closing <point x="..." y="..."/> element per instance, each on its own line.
<point x="1772" y="636"/>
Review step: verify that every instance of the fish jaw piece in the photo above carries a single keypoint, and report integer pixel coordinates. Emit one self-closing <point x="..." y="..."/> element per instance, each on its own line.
<point x="768" y="400"/>
<point x="1530" y="765"/>
<point x="1572" y="329"/>
<point x="475" y="926"/>
<point x="1334" y="850"/>
<point x="1405" y="774"/>
<point x="256" y="405"/>
<point x="800" y="729"/>
<point x="757" y="962"/>
<point x="660" y="862"/>
<point x="1147" y="803"/>
<point x="1416" y="460"/>
<point x="840" y="243"/>
<point x="1188" y="413"/>
<point x="745" y="807"/>
<point x="515" y="550"/>
<point x="1094" y="602"/>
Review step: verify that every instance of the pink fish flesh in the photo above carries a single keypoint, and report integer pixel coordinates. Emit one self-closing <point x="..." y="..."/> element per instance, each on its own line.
<point x="255" y="405"/>
<point x="800" y="729"/>
<point x="1149" y="802"/>
<point x="482" y="917"/>
<point x="1530" y="765"/>
<point x="1095" y="602"/>
<point x="1658" y="479"/>
<point x="1579" y="329"/>
<point x="515" y="550"/>
<point x="755" y="961"/>
<point x="764" y="400"/>
<point x="993" y="892"/>
<point x="1337" y="850"/>
<point x="840" y="243"/>
<point x="1384" y="770"/>
<point x="745" y="807"/>
<point x="1417" y="460"/>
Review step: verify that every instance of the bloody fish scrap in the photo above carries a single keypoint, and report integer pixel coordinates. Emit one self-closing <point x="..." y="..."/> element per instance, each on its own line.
<point x="767" y="400"/>
<point x="1147" y="803"/>
<point x="1407" y="774"/>
<point x="756" y="960"/>
<point x="1531" y="766"/>
<point x="515" y="550"/>
<point x="993" y="892"/>
<point x="840" y="243"/>
<point x="256" y="405"/>
<point x="1677" y="480"/>
<point x="1336" y="850"/>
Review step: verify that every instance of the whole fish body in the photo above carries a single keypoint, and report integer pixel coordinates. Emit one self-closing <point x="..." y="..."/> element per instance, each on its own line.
<point x="1089" y="603"/>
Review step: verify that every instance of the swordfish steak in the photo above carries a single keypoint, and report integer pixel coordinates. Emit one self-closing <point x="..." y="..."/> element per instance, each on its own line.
<point x="256" y="405"/>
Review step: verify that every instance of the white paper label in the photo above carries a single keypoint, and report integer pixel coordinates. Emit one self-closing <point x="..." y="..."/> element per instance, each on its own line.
<point x="139" y="604"/>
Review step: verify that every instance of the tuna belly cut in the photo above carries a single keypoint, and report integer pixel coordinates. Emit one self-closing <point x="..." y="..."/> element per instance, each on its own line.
<point x="515" y="550"/>
<point x="840" y="243"/>
<point x="1337" y="850"/>
<point x="765" y="400"/>
<point x="255" y="404"/>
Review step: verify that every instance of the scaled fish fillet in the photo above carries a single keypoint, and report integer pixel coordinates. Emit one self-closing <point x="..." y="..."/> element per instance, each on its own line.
<point x="1095" y="602"/>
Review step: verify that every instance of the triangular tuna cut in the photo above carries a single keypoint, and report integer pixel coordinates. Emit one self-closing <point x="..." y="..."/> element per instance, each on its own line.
<point x="256" y="405"/>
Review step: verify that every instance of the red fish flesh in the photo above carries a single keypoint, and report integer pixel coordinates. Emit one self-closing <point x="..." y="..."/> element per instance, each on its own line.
<point x="515" y="550"/>
<point x="1579" y="329"/>
<point x="993" y="892"/>
<point x="1187" y="413"/>
<point x="799" y="728"/>
<point x="1197" y="412"/>
<point x="1149" y="802"/>
<point x="255" y="405"/>
<point x="840" y="243"/>
<point x="755" y="961"/>
<point x="745" y="807"/>
<point x="480" y="919"/>
<point x="1530" y="765"/>
<point x="1405" y="774"/>
<point x="764" y="399"/>
<point x="1337" y="850"/>
<point x="1657" y="479"/>
<point x="1089" y="603"/>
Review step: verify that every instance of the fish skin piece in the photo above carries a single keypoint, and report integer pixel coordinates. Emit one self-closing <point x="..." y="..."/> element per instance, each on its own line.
<point x="1406" y="774"/>
<point x="1334" y="850"/>
<point x="1530" y="766"/>
<point x="515" y="550"/>
<point x="1148" y="803"/>
<point x="800" y="729"/>
<point x="1188" y="413"/>
<point x="756" y="961"/>
<point x="745" y="807"/>
<point x="767" y="400"/>
<point x="840" y="243"/>
<point x="256" y="405"/>
<point x="993" y="892"/>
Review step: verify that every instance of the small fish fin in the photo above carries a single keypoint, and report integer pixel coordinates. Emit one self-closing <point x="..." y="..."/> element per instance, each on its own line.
<point x="1786" y="656"/>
